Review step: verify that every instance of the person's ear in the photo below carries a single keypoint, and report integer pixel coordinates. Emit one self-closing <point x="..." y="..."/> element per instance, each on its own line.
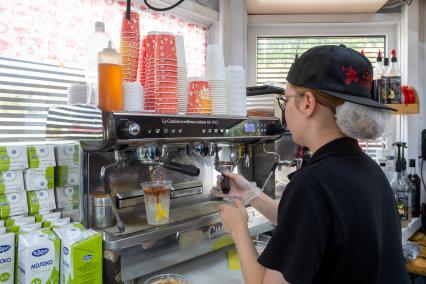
<point x="308" y="104"/>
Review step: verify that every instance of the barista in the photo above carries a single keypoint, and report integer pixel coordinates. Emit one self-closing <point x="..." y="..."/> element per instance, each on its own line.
<point x="337" y="221"/>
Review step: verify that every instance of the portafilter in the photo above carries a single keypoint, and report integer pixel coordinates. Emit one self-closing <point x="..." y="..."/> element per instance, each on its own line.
<point x="156" y="154"/>
<point x="227" y="157"/>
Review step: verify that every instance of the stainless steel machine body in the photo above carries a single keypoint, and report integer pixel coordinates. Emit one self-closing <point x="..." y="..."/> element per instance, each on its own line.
<point x="194" y="228"/>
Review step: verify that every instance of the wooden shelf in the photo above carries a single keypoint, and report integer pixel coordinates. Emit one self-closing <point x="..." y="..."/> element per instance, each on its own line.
<point x="406" y="108"/>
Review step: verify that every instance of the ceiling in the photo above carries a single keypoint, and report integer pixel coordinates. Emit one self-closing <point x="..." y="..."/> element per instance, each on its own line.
<point x="270" y="7"/>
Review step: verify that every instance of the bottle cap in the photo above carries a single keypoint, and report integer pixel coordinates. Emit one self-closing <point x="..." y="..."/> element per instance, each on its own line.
<point x="100" y="27"/>
<point x="393" y="55"/>
<point x="379" y="56"/>
<point x="412" y="163"/>
<point x="386" y="62"/>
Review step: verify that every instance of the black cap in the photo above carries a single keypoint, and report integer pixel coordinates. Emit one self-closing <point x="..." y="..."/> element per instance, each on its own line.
<point x="386" y="62"/>
<point x="338" y="71"/>
<point x="412" y="163"/>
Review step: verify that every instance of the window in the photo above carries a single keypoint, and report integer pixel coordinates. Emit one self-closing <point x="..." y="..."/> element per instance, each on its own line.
<point x="275" y="55"/>
<point x="42" y="52"/>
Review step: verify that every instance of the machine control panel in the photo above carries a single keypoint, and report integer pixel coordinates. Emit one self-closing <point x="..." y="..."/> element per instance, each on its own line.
<point x="144" y="126"/>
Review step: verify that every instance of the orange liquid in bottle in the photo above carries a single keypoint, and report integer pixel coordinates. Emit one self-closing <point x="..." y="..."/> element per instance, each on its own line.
<point x="110" y="87"/>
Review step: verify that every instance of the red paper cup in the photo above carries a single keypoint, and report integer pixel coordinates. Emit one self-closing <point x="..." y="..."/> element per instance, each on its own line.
<point x="131" y="25"/>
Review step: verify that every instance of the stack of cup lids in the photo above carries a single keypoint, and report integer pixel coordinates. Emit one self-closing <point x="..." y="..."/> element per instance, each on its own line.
<point x="236" y="82"/>
<point x="182" y="74"/>
<point x="132" y="96"/>
<point x="78" y="94"/>
<point x="215" y="73"/>
<point x="199" y="101"/>
<point x="161" y="73"/>
<point x="129" y="46"/>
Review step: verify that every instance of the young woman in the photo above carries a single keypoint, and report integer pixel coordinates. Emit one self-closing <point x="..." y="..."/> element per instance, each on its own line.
<point x="337" y="221"/>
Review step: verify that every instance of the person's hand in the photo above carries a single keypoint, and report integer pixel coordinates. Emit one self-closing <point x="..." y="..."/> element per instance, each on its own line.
<point x="241" y="188"/>
<point x="234" y="218"/>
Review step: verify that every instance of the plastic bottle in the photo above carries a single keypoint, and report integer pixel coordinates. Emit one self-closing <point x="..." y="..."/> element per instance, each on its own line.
<point x="110" y="80"/>
<point x="384" y="87"/>
<point x="392" y="81"/>
<point x="415" y="182"/>
<point x="402" y="190"/>
<point x="96" y="42"/>
<point x="378" y="72"/>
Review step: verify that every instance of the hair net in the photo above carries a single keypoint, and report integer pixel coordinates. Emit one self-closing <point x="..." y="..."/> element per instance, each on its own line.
<point x="362" y="122"/>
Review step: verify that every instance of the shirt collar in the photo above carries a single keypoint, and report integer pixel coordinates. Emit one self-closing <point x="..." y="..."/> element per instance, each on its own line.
<point x="338" y="147"/>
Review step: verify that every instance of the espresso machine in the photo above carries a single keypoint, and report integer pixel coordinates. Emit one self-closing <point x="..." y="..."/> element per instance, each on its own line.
<point x="119" y="151"/>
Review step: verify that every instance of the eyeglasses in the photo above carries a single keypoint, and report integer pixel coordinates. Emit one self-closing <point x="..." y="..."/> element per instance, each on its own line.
<point x="283" y="99"/>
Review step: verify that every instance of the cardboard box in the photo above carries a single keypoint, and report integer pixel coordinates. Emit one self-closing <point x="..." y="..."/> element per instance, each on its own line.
<point x="39" y="179"/>
<point x="41" y="156"/>
<point x="13" y="158"/>
<point x="12" y="181"/>
<point x="12" y="204"/>
<point x="41" y="199"/>
<point x="67" y="176"/>
<point x="67" y="155"/>
<point x="68" y="198"/>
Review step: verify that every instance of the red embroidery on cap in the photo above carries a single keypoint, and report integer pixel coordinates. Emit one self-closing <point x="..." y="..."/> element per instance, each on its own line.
<point x="351" y="75"/>
<point x="367" y="80"/>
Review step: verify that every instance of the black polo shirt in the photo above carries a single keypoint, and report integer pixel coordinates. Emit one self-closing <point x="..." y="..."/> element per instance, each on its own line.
<point x="337" y="222"/>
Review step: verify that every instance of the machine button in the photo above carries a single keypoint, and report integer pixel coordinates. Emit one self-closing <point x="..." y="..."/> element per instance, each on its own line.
<point x="180" y="130"/>
<point x="165" y="131"/>
<point x="216" y="130"/>
<point x="134" y="129"/>
<point x="157" y="131"/>
<point x="221" y="131"/>
<point x="210" y="131"/>
<point x="204" y="131"/>
<point x="149" y="131"/>
<point x="173" y="131"/>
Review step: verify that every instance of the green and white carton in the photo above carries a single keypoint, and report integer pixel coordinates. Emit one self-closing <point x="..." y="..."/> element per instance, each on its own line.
<point x="12" y="204"/>
<point x="67" y="176"/>
<point x="41" y="199"/>
<point x="11" y="181"/>
<point x="13" y="158"/>
<point x="14" y="225"/>
<point x="46" y="219"/>
<point x="7" y="258"/>
<point x="38" y="257"/>
<point x="38" y="179"/>
<point x="67" y="155"/>
<point x="41" y="156"/>
<point x="60" y="222"/>
<point x="81" y="256"/>
<point x="29" y="228"/>
<point x="24" y="218"/>
<point x="68" y="197"/>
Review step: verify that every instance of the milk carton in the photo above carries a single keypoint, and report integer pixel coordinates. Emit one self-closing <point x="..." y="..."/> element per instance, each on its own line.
<point x="81" y="256"/>
<point x="29" y="228"/>
<point x="12" y="204"/>
<point x="13" y="158"/>
<point x="38" y="179"/>
<point x="11" y="181"/>
<point x="68" y="197"/>
<point x="46" y="219"/>
<point x="7" y="258"/>
<point x="41" y="199"/>
<point x="38" y="257"/>
<point x="3" y="230"/>
<point x="67" y="155"/>
<point x="61" y="222"/>
<point x="41" y="156"/>
<point x="14" y="225"/>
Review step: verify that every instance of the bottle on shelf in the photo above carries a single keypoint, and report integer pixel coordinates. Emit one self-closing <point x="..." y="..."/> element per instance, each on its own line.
<point x="383" y="86"/>
<point x="402" y="190"/>
<point x="391" y="81"/>
<point x="415" y="182"/>
<point x="378" y="72"/>
<point x="95" y="43"/>
<point x="110" y="79"/>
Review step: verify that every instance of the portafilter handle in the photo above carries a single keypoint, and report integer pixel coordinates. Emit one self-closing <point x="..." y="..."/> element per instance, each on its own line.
<point x="225" y="184"/>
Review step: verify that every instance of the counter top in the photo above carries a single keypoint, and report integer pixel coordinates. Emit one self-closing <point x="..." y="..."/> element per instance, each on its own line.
<point x="211" y="268"/>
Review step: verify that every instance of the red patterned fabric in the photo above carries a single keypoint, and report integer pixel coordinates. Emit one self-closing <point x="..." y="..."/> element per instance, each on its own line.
<point x="55" y="31"/>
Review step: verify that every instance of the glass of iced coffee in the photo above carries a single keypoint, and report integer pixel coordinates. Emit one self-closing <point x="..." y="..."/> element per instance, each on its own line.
<point x="166" y="279"/>
<point x="157" y="201"/>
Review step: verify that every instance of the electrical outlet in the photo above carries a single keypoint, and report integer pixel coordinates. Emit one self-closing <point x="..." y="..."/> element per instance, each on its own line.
<point x="424" y="144"/>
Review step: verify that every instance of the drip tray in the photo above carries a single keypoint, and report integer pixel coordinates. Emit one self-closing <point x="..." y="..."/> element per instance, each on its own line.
<point x="134" y="224"/>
